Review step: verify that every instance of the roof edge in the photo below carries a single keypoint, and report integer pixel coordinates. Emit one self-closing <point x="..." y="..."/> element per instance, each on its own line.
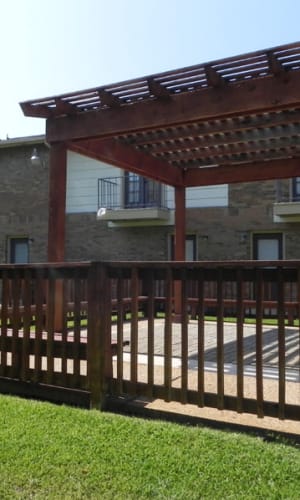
<point x="23" y="141"/>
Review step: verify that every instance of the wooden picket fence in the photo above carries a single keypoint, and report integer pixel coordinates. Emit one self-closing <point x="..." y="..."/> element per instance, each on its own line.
<point x="63" y="333"/>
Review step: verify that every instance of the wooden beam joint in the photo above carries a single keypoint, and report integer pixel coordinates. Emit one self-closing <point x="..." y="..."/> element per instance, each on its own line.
<point x="274" y="64"/>
<point x="108" y="99"/>
<point x="158" y="90"/>
<point x="214" y="79"/>
<point x="64" y="107"/>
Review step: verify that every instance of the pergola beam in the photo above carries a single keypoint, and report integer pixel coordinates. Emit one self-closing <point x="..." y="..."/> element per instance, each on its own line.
<point x="270" y="93"/>
<point x="248" y="125"/>
<point x="128" y="158"/>
<point x="257" y="171"/>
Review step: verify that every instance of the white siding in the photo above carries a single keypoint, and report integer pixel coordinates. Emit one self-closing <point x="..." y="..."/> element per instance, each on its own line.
<point x="82" y="182"/>
<point x="197" y="197"/>
<point x="82" y="187"/>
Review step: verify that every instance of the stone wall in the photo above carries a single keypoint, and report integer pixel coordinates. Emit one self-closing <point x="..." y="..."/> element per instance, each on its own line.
<point x="91" y="239"/>
<point x="227" y="233"/>
<point x="23" y="200"/>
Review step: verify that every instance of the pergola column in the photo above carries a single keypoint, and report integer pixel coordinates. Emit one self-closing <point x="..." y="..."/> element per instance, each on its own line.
<point x="57" y="202"/>
<point x="57" y="220"/>
<point x="179" y="250"/>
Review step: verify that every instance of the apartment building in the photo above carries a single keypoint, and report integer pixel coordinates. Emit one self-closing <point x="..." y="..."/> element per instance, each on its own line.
<point x="117" y="215"/>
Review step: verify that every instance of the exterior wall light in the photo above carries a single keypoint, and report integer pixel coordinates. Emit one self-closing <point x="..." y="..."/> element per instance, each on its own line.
<point x="35" y="158"/>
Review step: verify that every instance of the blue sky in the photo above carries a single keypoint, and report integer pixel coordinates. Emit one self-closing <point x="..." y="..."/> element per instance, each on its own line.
<point x="54" y="46"/>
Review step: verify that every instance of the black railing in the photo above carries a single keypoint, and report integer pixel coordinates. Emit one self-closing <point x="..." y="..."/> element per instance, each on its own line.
<point x="130" y="191"/>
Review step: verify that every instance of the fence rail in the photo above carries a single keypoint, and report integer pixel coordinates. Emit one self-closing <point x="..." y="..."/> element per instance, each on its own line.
<point x="63" y="333"/>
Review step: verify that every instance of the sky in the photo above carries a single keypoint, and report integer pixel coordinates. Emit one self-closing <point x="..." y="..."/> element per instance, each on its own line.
<point x="49" y="47"/>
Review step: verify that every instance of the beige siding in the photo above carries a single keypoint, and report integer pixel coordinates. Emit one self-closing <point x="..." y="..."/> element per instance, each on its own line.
<point x="82" y="182"/>
<point x="197" y="197"/>
<point x="82" y="187"/>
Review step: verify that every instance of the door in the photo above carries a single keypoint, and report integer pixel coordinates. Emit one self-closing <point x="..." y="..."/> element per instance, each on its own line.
<point x="141" y="192"/>
<point x="268" y="247"/>
<point x="190" y="247"/>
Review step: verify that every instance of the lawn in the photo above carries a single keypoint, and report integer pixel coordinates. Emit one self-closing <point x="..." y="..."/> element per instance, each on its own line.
<point x="58" y="452"/>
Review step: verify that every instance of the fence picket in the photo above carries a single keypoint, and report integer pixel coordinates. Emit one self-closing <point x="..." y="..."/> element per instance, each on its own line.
<point x="240" y="340"/>
<point x="281" y="345"/>
<point x="184" y="338"/>
<point x="201" y="338"/>
<point x="168" y="336"/>
<point x="259" y="343"/>
<point x="220" y="340"/>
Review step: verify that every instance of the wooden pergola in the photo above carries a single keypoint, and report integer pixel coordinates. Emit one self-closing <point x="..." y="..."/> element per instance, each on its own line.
<point x="231" y="120"/>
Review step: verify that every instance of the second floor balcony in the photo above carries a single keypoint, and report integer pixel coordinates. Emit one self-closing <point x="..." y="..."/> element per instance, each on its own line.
<point x="131" y="197"/>
<point x="287" y="206"/>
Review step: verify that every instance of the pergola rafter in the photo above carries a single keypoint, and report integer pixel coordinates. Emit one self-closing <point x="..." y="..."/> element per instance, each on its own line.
<point x="232" y="120"/>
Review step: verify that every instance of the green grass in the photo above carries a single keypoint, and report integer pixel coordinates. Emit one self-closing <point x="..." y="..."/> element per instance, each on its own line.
<point x="57" y="452"/>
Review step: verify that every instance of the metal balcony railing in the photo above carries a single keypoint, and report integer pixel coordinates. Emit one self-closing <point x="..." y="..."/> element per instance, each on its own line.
<point x="288" y="192"/>
<point x="130" y="191"/>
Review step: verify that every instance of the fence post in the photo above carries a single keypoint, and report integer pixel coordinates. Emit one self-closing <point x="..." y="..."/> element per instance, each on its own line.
<point x="98" y="334"/>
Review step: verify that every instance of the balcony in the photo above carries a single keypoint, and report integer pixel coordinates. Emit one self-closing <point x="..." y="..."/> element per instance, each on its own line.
<point x="132" y="199"/>
<point x="287" y="206"/>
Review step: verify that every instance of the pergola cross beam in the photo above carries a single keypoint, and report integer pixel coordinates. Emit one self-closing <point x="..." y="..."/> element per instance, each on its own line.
<point x="231" y="120"/>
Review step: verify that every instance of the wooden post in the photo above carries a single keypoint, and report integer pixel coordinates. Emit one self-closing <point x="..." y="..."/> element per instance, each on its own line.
<point x="56" y="220"/>
<point x="179" y="250"/>
<point x="57" y="202"/>
<point x="99" y="356"/>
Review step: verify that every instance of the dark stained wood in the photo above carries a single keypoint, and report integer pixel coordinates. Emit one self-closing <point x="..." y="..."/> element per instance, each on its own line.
<point x="259" y="342"/>
<point x="157" y="89"/>
<point x="179" y="250"/>
<point x="16" y="322"/>
<point x="57" y="202"/>
<point x="168" y="336"/>
<point x="120" y="332"/>
<point x="27" y="317"/>
<point x="234" y="69"/>
<point x="129" y="158"/>
<point x="220" y="340"/>
<point x="263" y="94"/>
<point x="151" y="316"/>
<point x="134" y="325"/>
<point x="4" y="320"/>
<point x="281" y="345"/>
<point x="64" y="331"/>
<point x="51" y="306"/>
<point x="213" y="77"/>
<point x="40" y="287"/>
<point x="184" y="338"/>
<point x="258" y="171"/>
<point x="96" y="348"/>
<point x="270" y="125"/>
<point x="275" y="65"/>
<point x="270" y="409"/>
<point x="201" y="337"/>
<point x="240" y="339"/>
<point x="64" y="107"/>
<point x="259" y="147"/>
<point x="77" y="326"/>
<point x="108" y="98"/>
<point x="96" y="335"/>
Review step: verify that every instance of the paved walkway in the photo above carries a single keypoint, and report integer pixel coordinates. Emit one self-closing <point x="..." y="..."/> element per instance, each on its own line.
<point x="270" y="344"/>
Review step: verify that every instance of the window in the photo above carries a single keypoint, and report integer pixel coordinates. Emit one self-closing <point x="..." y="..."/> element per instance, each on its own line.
<point x="19" y="250"/>
<point x="267" y="246"/>
<point x="296" y="189"/>
<point x="141" y="192"/>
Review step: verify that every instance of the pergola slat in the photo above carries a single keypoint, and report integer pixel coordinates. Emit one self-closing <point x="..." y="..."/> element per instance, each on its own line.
<point x="231" y="120"/>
